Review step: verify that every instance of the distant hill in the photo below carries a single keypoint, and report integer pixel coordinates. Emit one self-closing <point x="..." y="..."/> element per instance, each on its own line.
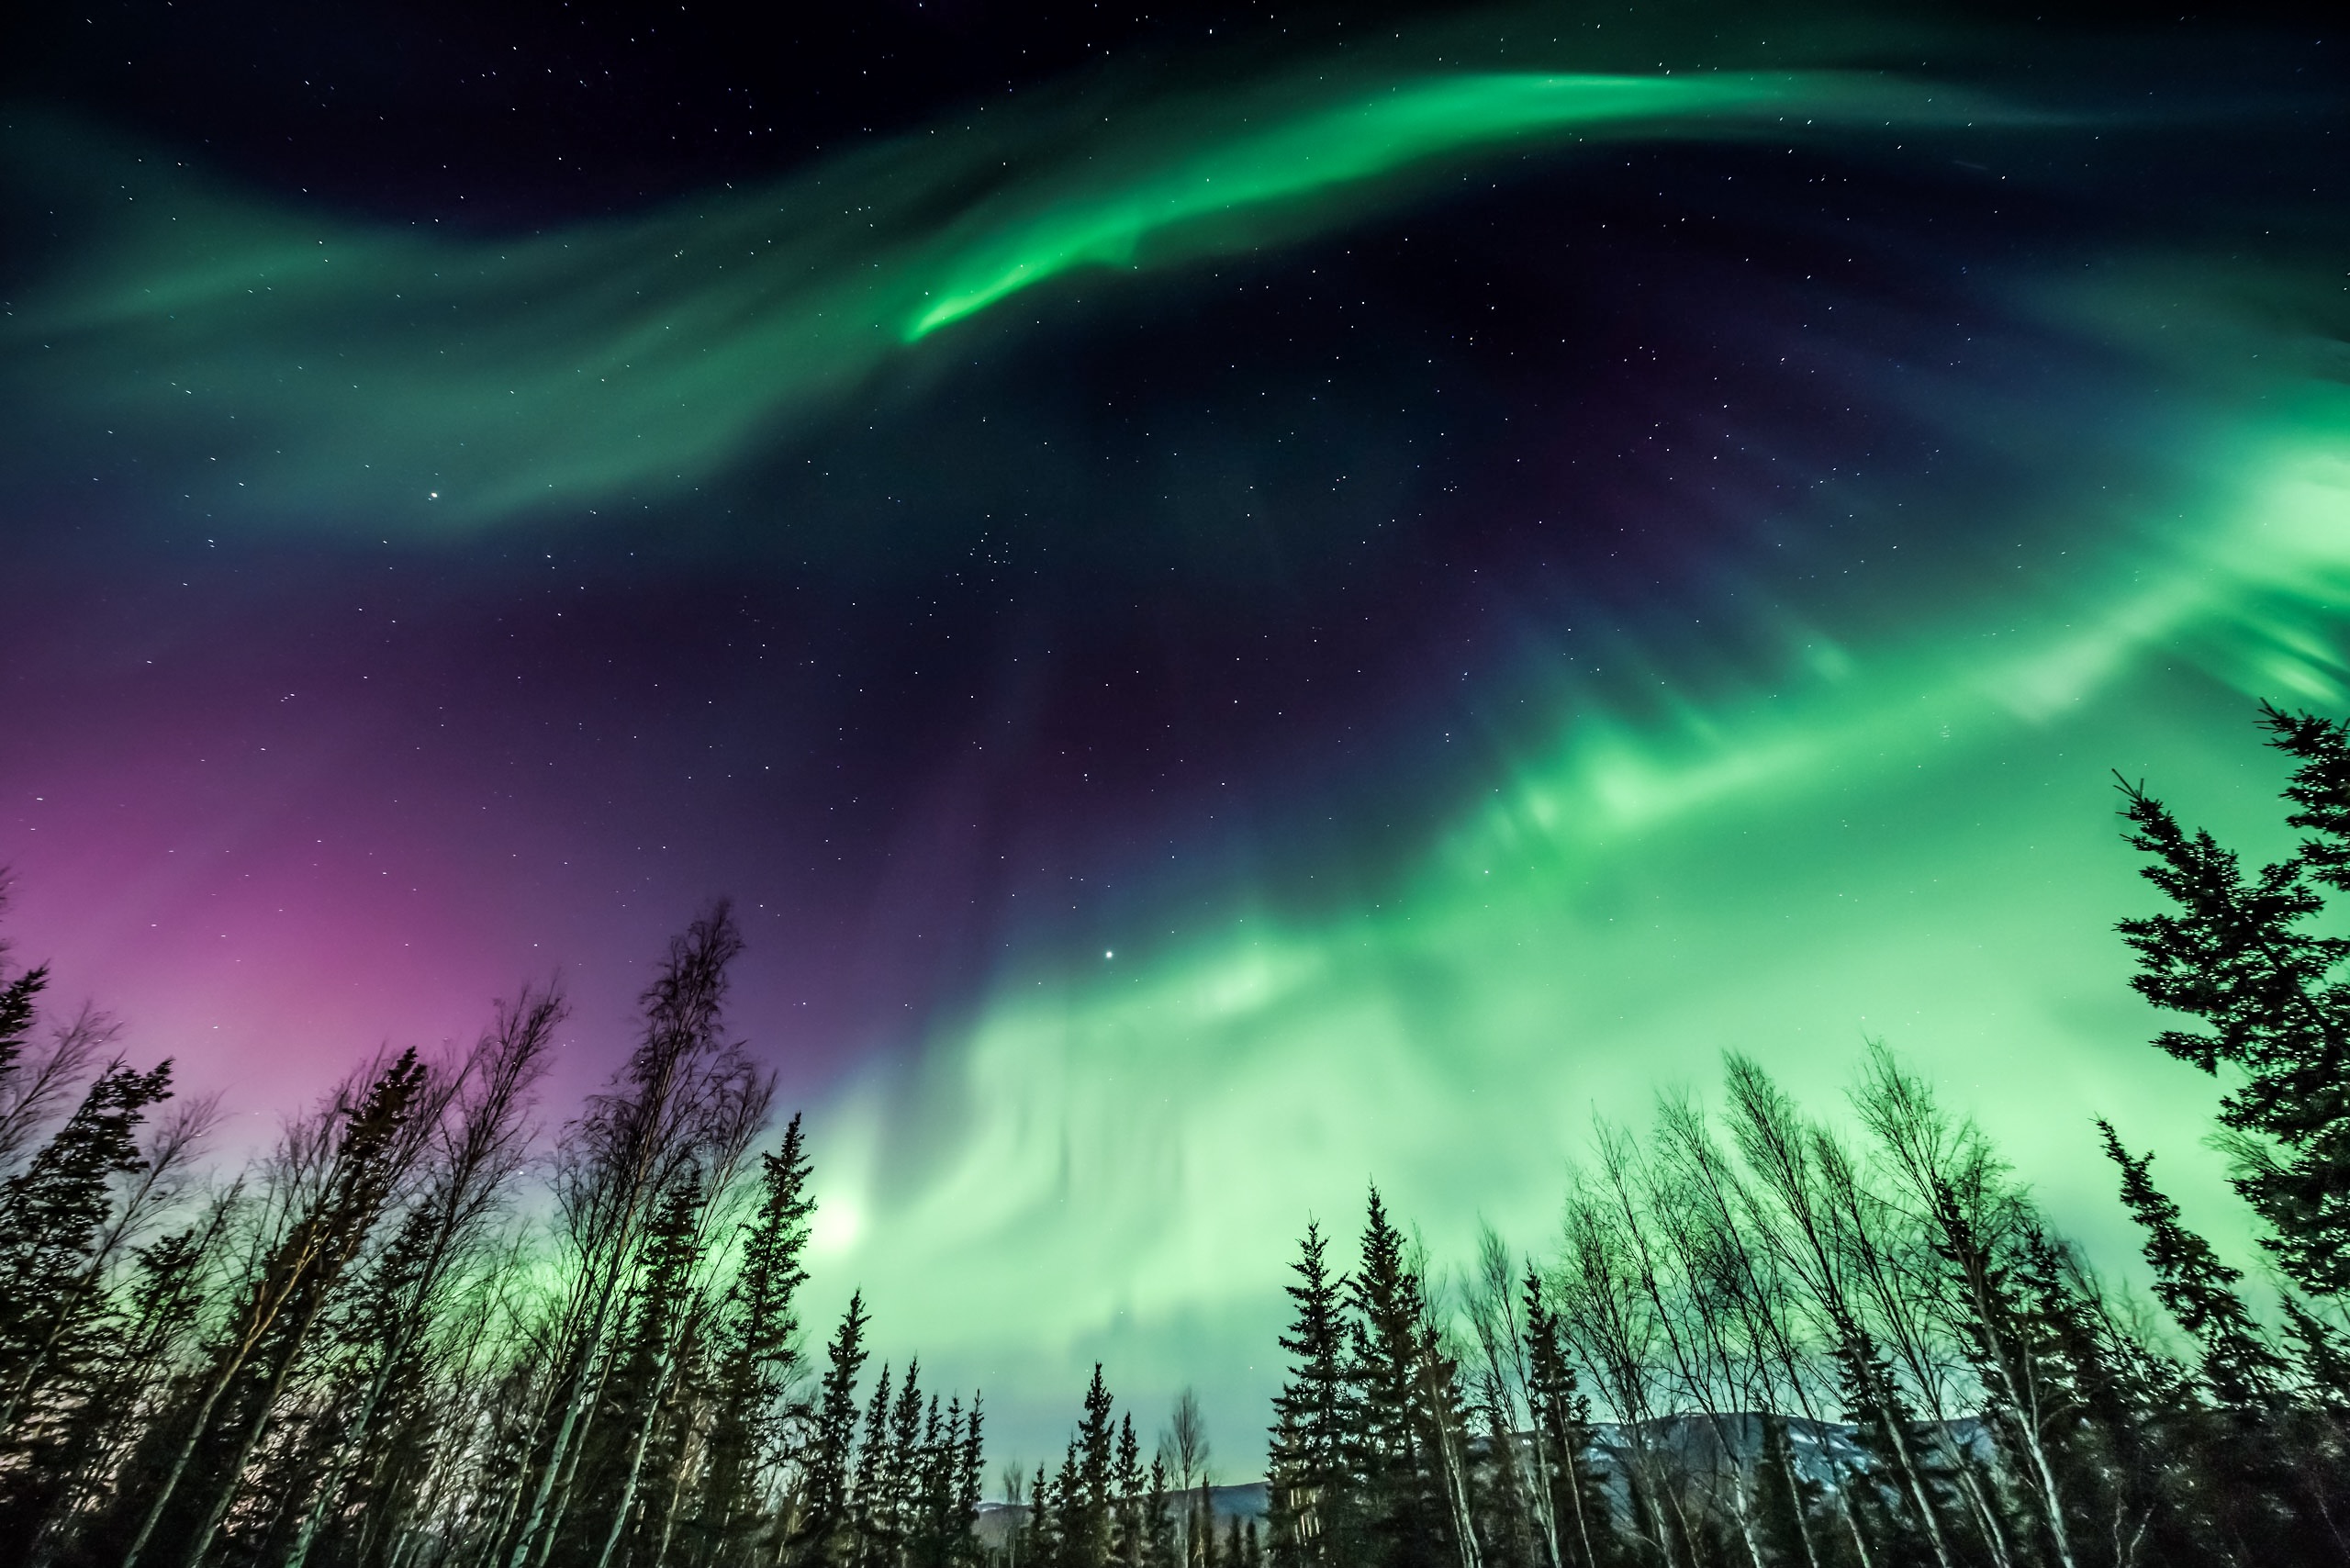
<point x="1822" y="1450"/>
<point x="1244" y="1501"/>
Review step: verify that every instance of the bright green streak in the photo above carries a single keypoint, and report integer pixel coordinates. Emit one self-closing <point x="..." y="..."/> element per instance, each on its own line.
<point x="1311" y="154"/>
<point x="334" y="377"/>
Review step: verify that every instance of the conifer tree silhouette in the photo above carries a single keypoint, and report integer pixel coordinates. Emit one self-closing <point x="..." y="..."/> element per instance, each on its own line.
<point x="2238" y="953"/>
<point x="53" y="1214"/>
<point x="1407" y="1407"/>
<point x="757" y="1348"/>
<point x="816" y="1536"/>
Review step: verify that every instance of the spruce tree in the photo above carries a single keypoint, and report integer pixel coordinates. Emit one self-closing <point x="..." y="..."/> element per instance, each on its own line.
<point x="639" y="1389"/>
<point x="1903" y="1513"/>
<point x="2238" y="1367"/>
<point x="1407" y="1401"/>
<point x="1066" y="1546"/>
<point x="816" y="1536"/>
<point x="152" y="1329"/>
<point x="1310" y="1486"/>
<point x="20" y="1102"/>
<point x="1506" y="1526"/>
<point x="2239" y="1482"/>
<point x="1041" y="1532"/>
<point x="1085" y="1510"/>
<point x="2119" y="1407"/>
<point x="2238" y="953"/>
<point x="888" y="1523"/>
<point x="1579" y="1497"/>
<point x="757" y="1347"/>
<point x="1127" y="1532"/>
<point x="374" y="1457"/>
<point x="1787" y="1499"/>
<point x="970" y="1477"/>
<point x="51" y="1215"/>
<point x="1159" y="1550"/>
<point x="2322" y="1353"/>
<point x="868" y="1502"/>
<point x="2023" y="1395"/>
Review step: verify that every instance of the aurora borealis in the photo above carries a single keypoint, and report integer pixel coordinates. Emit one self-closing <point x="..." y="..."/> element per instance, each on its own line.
<point x="1281" y="610"/>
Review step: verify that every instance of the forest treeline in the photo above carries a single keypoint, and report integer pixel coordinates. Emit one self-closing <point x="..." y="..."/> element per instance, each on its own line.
<point x="425" y="1331"/>
<point x="411" y="1337"/>
<point x="1770" y="1338"/>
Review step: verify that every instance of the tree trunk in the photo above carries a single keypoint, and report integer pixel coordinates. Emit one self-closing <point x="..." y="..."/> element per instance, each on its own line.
<point x="662" y="1370"/>
<point x="233" y="1472"/>
<point x="564" y="1450"/>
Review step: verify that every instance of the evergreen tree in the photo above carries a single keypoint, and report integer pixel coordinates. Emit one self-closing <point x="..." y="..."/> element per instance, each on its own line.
<point x="1901" y="1512"/>
<point x="2239" y="954"/>
<point x="1787" y="1499"/>
<point x="1405" y="1396"/>
<point x="1204" y="1552"/>
<point x="1311" y="1486"/>
<point x="21" y="1101"/>
<point x="19" y="1005"/>
<point x="2238" y="1367"/>
<point x="1086" y="1501"/>
<point x="640" y="1390"/>
<point x="374" y="1454"/>
<point x="2022" y="1394"/>
<point x="757" y="1350"/>
<point x="2240" y="1485"/>
<point x="869" y="1492"/>
<point x="1065" y="1546"/>
<point x="1506" y="1526"/>
<point x="2117" y="1407"/>
<point x="1239" y="1548"/>
<point x="1159" y="1550"/>
<point x="51" y="1216"/>
<point x="817" y="1535"/>
<point x="1563" y="1420"/>
<point x="348" y="1465"/>
<point x="1129" y="1533"/>
<point x="972" y="1468"/>
<point x="1041" y="1533"/>
<point x="356" y="1360"/>
<point x="2323" y="1356"/>
<point x="156" y="1321"/>
<point x="891" y="1520"/>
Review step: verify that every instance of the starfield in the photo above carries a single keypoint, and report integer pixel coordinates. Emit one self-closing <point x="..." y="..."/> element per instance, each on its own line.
<point x="1354" y="785"/>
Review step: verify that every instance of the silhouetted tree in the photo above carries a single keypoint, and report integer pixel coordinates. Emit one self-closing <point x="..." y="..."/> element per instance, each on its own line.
<point x="54" y="1250"/>
<point x="757" y="1353"/>
<point x="2238" y="953"/>
<point x="1562" y="1419"/>
<point x="816" y="1535"/>
<point x="1407" y="1404"/>
<point x="333" y="1179"/>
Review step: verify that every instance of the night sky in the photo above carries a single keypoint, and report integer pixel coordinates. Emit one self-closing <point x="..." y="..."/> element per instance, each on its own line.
<point x="1245" y="600"/>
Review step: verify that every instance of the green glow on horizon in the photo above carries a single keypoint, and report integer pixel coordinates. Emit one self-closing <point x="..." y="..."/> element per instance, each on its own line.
<point x="1913" y="841"/>
<point x="389" y="378"/>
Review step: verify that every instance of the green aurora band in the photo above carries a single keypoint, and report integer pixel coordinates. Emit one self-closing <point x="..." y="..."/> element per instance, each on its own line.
<point x="317" y="368"/>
